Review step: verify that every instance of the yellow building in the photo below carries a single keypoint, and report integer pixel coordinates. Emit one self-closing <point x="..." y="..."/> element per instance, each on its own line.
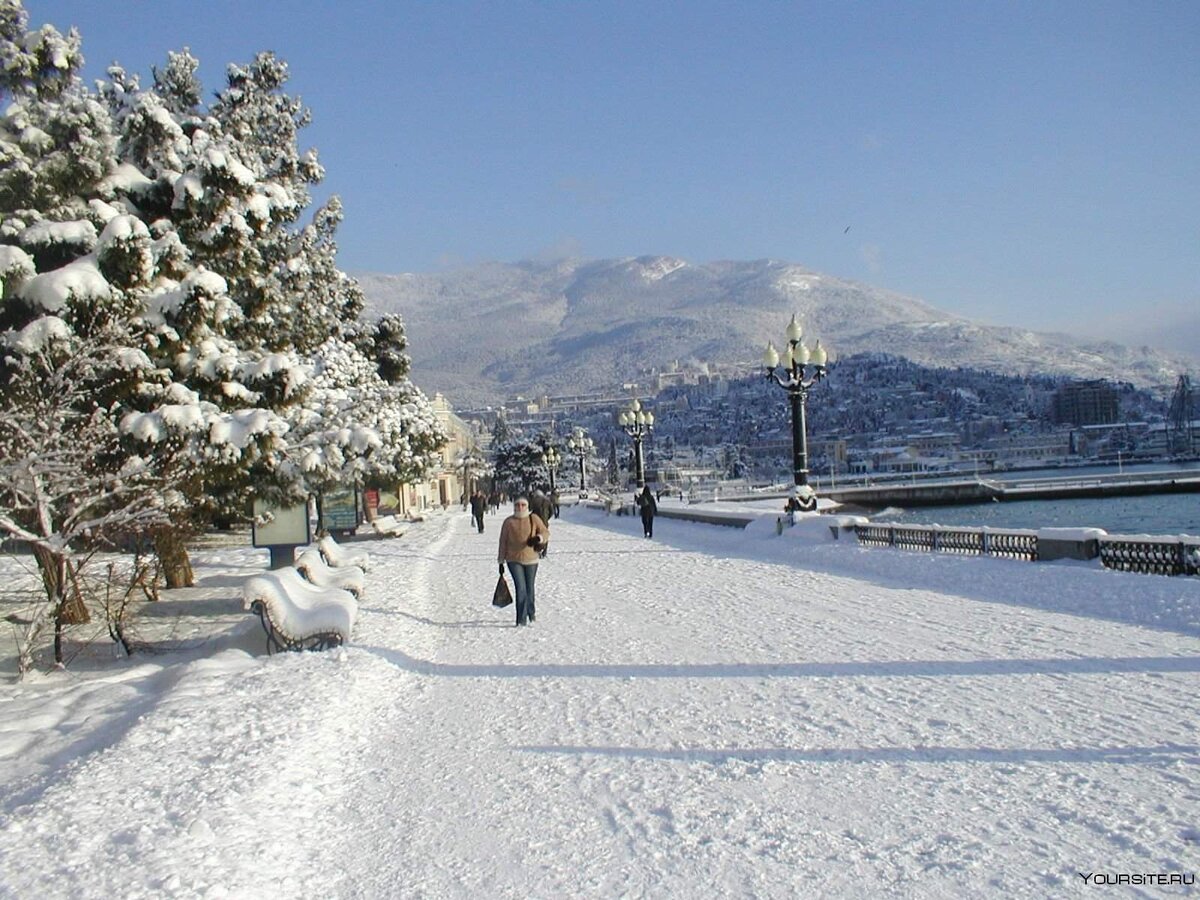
<point x="443" y="486"/>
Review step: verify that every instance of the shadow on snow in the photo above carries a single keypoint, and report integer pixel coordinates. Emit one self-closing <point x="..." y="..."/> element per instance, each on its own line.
<point x="896" y="669"/>
<point x="1165" y="755"/>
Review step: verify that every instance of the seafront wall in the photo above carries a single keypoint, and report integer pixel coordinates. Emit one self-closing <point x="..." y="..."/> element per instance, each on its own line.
<point x="1146" y="554"/>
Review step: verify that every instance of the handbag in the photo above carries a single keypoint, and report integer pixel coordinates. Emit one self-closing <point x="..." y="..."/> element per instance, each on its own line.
<point x="534" y="540"/>
<point x="502" y="596"/>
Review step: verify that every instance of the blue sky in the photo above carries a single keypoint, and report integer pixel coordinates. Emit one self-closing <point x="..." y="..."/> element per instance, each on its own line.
<point x="1034" y="164"/>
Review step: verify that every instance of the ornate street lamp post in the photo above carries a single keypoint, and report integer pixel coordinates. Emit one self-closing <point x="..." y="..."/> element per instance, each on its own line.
<point x="552" y="459"/>
<point x="637" y="423"/>
<point x="581" y="445"/>
<point x="796" y="371"/>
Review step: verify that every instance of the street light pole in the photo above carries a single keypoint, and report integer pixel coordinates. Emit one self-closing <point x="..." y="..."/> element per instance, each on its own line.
<point x="796" y="371"/>
<point x="581" y="445"/>
<point x="552" y="458"/>
<point x="637" y="423"/>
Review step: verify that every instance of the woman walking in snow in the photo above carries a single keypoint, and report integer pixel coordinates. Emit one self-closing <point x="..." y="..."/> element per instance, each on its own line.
<point x="522" y="536"/>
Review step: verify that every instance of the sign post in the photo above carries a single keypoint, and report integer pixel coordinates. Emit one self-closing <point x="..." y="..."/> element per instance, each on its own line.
<point x="339" y="511"/>
<point x="284" y="529"/>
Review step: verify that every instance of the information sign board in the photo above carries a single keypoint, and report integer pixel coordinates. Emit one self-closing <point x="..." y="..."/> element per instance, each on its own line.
<point x="339" y="511"/>
<point x="288" y="525"/>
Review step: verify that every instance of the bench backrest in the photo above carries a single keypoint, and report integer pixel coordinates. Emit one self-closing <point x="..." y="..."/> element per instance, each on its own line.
<point x="336" y="556"/>
<point x="298" y="608"/>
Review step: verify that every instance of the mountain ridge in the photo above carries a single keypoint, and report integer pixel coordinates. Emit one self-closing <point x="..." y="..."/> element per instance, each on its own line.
<point x="484" y="332"/>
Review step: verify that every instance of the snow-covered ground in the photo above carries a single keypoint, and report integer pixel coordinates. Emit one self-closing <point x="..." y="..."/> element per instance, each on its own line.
<point x="710" y="713"/>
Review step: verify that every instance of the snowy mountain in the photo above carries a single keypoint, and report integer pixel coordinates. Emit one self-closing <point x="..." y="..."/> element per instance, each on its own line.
<point x="488" y="331"/>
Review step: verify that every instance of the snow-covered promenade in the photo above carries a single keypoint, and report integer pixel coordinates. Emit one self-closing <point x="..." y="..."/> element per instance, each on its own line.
<point x="709" y="714"/>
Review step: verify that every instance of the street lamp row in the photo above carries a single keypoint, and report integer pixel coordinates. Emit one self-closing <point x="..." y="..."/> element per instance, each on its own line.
<point x="795" y="370"/>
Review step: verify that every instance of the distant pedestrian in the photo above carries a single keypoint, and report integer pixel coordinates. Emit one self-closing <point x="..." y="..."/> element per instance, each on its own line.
<point x="478" y="506"/>
<point x="554" y="501"/>
<point x="649" y="506"/>
<point x="542" y="506"/>
<point x="522" y="536"/>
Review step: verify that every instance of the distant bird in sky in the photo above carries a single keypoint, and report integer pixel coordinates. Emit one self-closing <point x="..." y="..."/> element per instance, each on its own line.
<point x="847" y="231"/>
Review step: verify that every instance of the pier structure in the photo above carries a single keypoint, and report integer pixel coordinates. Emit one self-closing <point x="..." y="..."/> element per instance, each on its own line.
<point x="958" y="491"/>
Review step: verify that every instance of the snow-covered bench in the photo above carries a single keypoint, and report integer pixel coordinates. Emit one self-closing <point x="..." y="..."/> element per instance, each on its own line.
<point x="312" y="566"/>
<point x="298" y="615"/>
<point x="337" y="556"/>
<point x="392" y="526"/>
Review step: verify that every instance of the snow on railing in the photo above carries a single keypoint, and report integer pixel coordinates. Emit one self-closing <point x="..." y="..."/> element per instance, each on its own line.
<point x="1008" y="544"/>
<point x="1152" y="555"/>
<point x="1148" y="554"/>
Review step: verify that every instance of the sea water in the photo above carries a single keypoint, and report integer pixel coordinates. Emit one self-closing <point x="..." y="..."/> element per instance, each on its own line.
<point x="1146" y="514"/>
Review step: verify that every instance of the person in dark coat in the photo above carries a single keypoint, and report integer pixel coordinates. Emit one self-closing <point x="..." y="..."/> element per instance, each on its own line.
<point x="478" y="507"/>
<point x="541" y="505"/>
<point x="647" y="504"/>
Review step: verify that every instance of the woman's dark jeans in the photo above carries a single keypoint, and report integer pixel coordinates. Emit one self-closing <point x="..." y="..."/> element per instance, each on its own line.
<point x="523" y="575"/>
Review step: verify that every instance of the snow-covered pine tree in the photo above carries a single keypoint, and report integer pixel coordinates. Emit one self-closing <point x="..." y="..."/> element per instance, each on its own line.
<point x="148" y="209"/>
<point x="376" y="424"/>
<point x="183" y="175"/>
<point x="56" y="142"/>
<point x="518" y="464"/>
<point x="389" y="348"/>
<point x="239" y="186"/>
<point x="294" y="297"/>
<point x="502" y="432"/>
<point x="88" y="239"/>
<point x="178" y="84"/>
<point x="357" y="429"/>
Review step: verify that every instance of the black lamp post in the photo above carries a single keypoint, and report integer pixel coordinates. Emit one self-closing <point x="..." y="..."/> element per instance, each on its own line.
<point x="796" y="371"/>
<point x="637" y="423"/>
<point x="581" y="445"/>
<point x="552" y="458"/>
